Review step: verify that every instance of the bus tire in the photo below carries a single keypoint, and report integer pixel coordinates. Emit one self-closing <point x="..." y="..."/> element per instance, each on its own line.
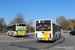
<point x="8" y="34"/>
<point x="60" y="35"/>
<point x="56" y="37"/>
<point x="12" y="34"/>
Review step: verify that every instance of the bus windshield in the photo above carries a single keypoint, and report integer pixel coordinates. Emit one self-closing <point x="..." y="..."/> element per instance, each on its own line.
<point x="44" y="25"/>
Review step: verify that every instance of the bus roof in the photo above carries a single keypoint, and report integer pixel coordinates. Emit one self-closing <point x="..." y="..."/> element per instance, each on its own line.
<point x="14" y="24"/>
<point x="44" y="19"/>
<point x="56" y="23"/>
<point x="51" y="20"/>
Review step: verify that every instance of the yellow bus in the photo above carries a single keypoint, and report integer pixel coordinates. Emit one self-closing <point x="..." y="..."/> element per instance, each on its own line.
<point x="16" y="29"/>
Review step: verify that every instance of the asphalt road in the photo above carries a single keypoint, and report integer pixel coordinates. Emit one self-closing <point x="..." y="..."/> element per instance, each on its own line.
<point x="66" y="42"/>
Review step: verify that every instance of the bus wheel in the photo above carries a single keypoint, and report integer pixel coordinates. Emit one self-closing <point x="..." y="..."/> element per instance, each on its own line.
<point x="12" y="34"/>
<point x="56" y="37"/>
<point x="8" y="34"/>
<point x="60" y="35"/>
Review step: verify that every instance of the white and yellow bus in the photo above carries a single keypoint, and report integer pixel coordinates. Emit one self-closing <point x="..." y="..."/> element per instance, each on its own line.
<point x="47" y="30"/>
<point x="16" y="29"/>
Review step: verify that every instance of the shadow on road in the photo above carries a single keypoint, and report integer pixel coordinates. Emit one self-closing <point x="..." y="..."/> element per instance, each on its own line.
<point x="72" y="34"/>
<point x="59" y="41"/>
<point x="35" y="45"/>
<point x="22" y="36"/>
<point x="45" y="41"/>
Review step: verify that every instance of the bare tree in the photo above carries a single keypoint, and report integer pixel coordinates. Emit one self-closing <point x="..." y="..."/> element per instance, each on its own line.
<point x="57" y="20"/>
<point x="30" y="23"/>
<point x="62" y="21"/>
<point x="28" y="26"/>
<point x="71" y="24"/>
<point x="1" y="24"/>
<point x="5" y="26"/>
<point x="18" y="19"/>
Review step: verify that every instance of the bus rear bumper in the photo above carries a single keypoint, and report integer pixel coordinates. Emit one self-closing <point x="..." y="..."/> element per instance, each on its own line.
<point x="21" y="35"/>
<point x="38" y="39"/>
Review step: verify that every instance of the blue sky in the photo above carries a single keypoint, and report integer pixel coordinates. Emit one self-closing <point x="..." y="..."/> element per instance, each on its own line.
<point x="37" y="9"/>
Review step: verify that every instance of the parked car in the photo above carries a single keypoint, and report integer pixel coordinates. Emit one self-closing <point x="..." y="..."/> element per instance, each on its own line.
<point x="72" y="33"/>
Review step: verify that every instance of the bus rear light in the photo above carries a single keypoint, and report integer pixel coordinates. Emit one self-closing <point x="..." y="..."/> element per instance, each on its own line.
<point x="49" y="22"/>
<point x="50" y="35"/>
<point x="36" y="23"/>
<point x="36" y="35"/>
<point x="16" y="32"/>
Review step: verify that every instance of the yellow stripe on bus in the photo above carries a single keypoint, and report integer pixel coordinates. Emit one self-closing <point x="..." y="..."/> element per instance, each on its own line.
<point x="14" y="33"/>
<point x="58" y="34"/>
<point x="46" y="35"/>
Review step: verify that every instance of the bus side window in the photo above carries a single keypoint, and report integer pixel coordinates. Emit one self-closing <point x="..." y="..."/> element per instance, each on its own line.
<point x="53" y="29"/>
